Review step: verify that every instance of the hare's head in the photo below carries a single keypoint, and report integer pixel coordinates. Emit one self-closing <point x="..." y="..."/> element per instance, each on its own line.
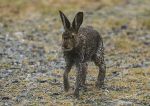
<point x="70" y="34"/>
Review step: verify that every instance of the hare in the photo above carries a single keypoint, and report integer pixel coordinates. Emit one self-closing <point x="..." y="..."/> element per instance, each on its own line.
<point x="81" y="45"/>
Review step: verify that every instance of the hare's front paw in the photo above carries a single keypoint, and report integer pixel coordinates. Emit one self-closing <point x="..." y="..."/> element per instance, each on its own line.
<point x="76" y="94"/>
<point x="99" y="84"/>
<point x="66" y="87"/>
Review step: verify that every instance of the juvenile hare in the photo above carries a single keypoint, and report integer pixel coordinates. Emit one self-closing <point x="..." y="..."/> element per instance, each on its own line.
<point x="81" y="45"/>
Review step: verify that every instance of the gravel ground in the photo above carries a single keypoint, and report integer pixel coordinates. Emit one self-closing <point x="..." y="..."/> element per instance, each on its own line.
<point x="32" y="64"/>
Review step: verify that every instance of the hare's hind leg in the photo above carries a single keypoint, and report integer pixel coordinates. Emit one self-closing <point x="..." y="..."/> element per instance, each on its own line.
<point x="65" y="76"/>
<point x="99" y="61"/>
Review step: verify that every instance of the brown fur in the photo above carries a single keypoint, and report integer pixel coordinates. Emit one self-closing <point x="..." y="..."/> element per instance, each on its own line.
<point x="81" y="45"/>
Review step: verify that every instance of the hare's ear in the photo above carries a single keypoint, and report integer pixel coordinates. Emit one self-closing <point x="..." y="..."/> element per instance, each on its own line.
<point x="77" y="21"/>
<point x="64" y="20"/>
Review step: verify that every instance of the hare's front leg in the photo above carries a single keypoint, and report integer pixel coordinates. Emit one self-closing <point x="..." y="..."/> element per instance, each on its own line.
<point x="84" y="72"/>
<point x="79" y="79"/>
<point x="65" y="76"/>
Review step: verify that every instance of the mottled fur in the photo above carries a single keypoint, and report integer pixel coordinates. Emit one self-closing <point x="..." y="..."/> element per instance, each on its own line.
<point x="81" y="45"/>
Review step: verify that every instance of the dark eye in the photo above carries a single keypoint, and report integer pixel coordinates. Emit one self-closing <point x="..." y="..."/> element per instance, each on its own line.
<point x="72" y="37"/>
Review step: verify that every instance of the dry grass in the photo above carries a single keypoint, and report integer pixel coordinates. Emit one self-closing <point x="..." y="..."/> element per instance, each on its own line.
<point x="130" y="84"/>
<point x="124" y="44"/>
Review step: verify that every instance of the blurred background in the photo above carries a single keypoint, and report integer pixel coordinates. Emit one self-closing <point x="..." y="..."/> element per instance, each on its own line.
<point x="112" y="13"/>
<point x="32" y="64"/>
<point x="24" y="7"/>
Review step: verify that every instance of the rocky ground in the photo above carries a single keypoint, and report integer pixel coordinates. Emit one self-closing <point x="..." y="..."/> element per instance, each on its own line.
<point x="32" y="64"/>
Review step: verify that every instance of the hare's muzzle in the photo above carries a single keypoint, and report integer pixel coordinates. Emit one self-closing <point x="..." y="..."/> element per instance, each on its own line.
<point x="66" y="47"/>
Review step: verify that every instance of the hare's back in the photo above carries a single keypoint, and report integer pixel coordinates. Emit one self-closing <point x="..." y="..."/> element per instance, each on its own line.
<point x="90" y="34"/>
<point x="92" y="39"/>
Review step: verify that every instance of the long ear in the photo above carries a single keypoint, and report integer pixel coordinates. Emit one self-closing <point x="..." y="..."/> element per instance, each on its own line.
<point x="77" y="21"/>
<point x="64" y="20"/>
